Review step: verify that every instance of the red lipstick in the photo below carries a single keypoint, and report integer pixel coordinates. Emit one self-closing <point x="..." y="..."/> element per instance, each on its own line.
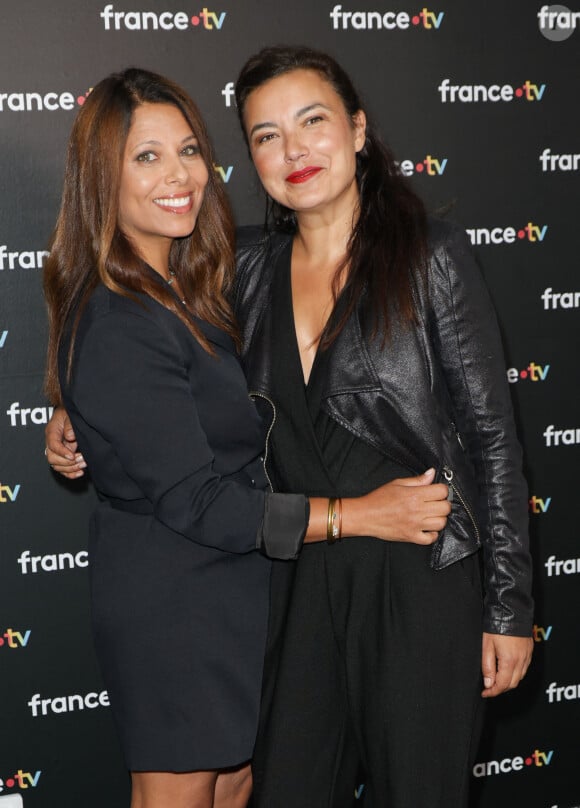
<point x="303" y="175"/>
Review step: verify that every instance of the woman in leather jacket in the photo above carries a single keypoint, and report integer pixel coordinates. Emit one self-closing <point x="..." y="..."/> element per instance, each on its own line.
<point x="371" y="348"/>
<point x="370" y="342"/>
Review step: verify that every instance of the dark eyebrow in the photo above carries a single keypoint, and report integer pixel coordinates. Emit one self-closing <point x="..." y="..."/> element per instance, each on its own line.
<point x="299" y="114"/>
<point x="156" y="142"/>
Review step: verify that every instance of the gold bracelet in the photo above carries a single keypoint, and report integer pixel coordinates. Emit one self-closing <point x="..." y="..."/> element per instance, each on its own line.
<point x="330" y="521"/>
<point x="334" y="525"/>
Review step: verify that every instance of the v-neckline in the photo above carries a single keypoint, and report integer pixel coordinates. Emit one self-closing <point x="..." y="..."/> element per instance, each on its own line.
<point x="304" y="400"/>
<point x="307" y="383"/>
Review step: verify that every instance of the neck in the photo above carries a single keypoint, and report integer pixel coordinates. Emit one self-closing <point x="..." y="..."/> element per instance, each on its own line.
<point x="323" y="235"/>
<point x="157" y="256"/>
<point x="324" y="242"/>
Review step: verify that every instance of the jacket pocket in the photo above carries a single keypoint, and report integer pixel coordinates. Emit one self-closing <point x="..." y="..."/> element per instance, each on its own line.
<point x="461" y="535"/>
<point x="456" y="496"/>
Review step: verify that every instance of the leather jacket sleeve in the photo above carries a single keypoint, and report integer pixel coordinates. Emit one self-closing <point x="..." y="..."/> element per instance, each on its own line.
<point x="465" y="337"/>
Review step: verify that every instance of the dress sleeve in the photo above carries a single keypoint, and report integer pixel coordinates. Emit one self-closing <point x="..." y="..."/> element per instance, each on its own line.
<point x="130" y="384"/>
<point x="468" y="343"/>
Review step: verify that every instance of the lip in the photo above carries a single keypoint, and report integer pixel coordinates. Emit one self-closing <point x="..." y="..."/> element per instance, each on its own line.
<point x="303" y="175"/>
<point x="177" y="204"/>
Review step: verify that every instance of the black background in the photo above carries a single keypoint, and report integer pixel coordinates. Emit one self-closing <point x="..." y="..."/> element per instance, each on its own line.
<point x="493" y="178"/>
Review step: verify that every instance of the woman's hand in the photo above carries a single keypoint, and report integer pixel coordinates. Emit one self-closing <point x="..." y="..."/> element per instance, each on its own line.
<point x="61" y="446"/>
<point x="504" y="662"/>
<point x="409" y="509"/>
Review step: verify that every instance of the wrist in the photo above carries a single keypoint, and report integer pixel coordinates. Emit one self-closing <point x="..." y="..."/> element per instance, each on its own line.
<point x="354" y="516"/>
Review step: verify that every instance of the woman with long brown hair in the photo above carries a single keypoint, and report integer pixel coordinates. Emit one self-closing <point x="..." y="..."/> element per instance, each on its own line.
<point x="142" y="353"/>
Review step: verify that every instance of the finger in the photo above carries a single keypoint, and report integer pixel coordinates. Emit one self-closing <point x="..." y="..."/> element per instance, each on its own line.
<point x="57" y="431"/>
<point x="434" y="523"/>
<point x="488" y="665"/>
<point x="434" y="509"/>
<point x="427" y="537"/>
<point x="422" y="479"/>
<point x="509" y="674"/>
<point x="58" y="448"/>
<point x="60" y="463"/>
<point x="503" y="682"/>
<point x="71" y="475"/>
<point x="57" y="451"/>
<point x="69" y="434"/>
<point x="435" y="492"/>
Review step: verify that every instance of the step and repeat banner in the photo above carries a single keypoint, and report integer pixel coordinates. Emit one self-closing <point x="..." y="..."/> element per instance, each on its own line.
<point x="480" y="103"/>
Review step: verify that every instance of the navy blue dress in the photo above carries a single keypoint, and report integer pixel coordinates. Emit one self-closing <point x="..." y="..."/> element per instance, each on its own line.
<point x="179" y="593"/>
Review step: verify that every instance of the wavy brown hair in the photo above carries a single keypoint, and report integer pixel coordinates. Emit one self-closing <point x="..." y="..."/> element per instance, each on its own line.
<point x="387" y="251"/>
<point x="88" y="247"/>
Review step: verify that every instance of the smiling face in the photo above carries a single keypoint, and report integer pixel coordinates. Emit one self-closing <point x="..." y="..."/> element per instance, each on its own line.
<point x="163" y="178"/>
<point x="304" y="143"/>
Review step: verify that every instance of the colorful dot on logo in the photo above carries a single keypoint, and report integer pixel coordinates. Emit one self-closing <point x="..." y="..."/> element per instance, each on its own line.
<point x="195" y="20"/>
<point x="521" y="233"/>
<point x="419" y="167"/>
<point x="519" y="92"/>
<point x="529" y="761"/>
<point x="524" y="374"/>
<point x="82" y="98"/>
<point x="10" y="783"/>
<point x="416" y="19"/>
<point x="1" y="640"/>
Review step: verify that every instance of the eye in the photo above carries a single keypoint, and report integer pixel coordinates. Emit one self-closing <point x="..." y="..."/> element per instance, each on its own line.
<point x="313" y="119"/>
<point x="191" y="150"/>
<point x="265" y="138"/>
<point x="146" y="157"/>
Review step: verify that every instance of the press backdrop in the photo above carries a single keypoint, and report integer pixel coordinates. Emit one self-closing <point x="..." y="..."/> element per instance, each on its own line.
<point x="480" y="102"/>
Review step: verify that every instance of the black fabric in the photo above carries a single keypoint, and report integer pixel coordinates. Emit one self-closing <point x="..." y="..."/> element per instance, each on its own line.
<point x="284" y="526"/>
<point x="372" y="676"/>
<point x="179" y="594"/>
<point x="441" y="388"/>
<point x="311" y="448"/>
<point x="372" y="672"/>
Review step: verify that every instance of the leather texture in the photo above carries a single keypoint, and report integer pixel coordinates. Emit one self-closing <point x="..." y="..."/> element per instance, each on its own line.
<point x="434" y="394"/>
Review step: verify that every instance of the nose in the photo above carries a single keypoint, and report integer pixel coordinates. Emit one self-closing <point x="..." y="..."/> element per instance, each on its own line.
<point x="176" y="170"/>
<point x="294" y="148"/>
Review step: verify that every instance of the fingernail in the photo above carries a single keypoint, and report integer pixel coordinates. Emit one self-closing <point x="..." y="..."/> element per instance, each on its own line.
<point x="487" y="681"/>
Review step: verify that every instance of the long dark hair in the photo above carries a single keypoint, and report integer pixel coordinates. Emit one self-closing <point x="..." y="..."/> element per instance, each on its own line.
<point x="387" y="250"/>
<point x="89" y="248"/>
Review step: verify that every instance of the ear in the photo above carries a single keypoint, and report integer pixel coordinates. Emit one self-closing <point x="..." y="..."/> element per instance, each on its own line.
<point x="359" y="120"/>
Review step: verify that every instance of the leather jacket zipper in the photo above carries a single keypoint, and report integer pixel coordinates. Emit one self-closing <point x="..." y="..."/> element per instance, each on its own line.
<point x="458" y="435"/>
<point x="270" y="428"/>
<point x="448" y="475"/>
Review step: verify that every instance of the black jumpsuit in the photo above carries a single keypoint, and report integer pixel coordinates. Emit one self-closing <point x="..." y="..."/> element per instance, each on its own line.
<point x="358" y="688"/>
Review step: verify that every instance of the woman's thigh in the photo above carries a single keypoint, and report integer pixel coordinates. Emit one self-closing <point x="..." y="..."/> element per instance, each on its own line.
<point x="233" y="788"/>
<point x="173" y="789"/>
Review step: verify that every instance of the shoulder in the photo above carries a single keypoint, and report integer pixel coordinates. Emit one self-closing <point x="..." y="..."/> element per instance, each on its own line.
<point x="256" y="251"/>
<point x="103" y="302"/>
<point x="250" y="237"/>
<point x="455" y="280"/>
<point x="444" y="235"/>
<point x="254" y="242"/>
<point x="451" y="256"/>
<point x="117" y="319"/>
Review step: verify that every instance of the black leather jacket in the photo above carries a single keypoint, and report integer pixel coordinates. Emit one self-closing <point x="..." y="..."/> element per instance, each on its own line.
<point x="433" y="395"/>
